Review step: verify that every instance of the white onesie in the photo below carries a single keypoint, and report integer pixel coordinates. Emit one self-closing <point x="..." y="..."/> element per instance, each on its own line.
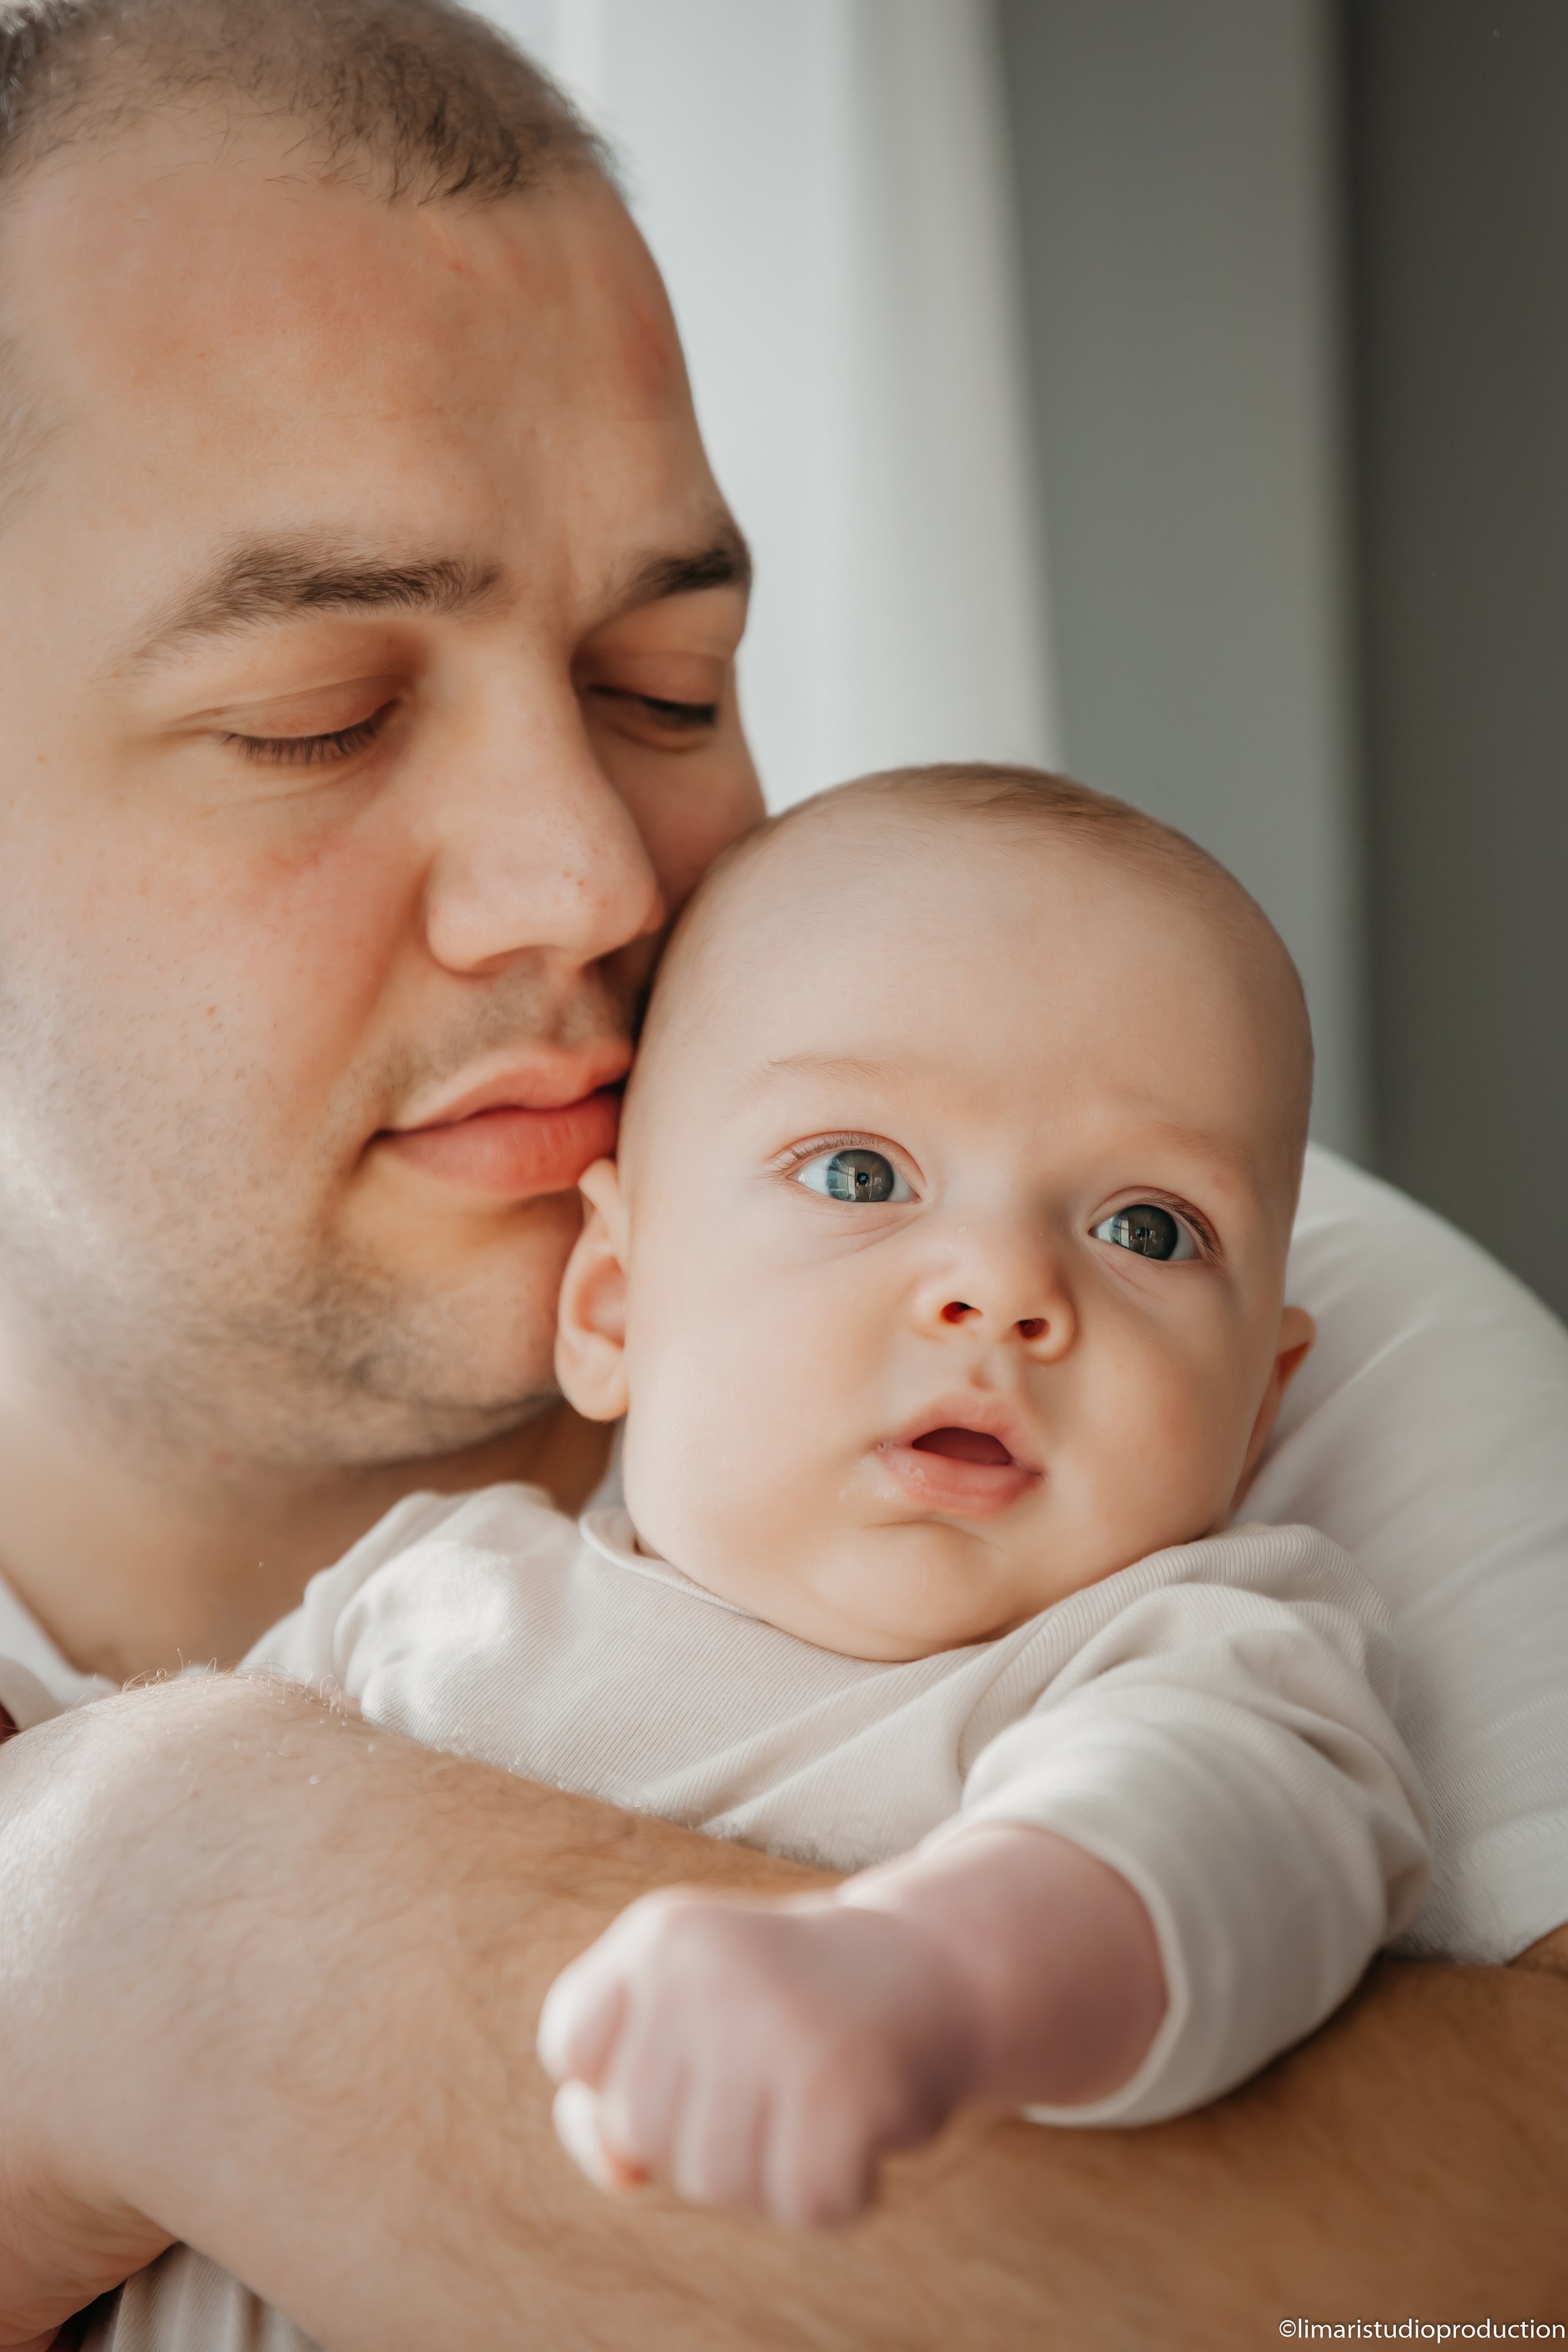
<point x="1214" y="1722"/>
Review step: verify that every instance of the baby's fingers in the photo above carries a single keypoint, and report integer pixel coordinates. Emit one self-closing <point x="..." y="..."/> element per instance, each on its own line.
<point x="716" y="2158"/>
<point x="819" y="2166"/>
<point x="584" y="2013"/>
<point x="585" y="2009"/>
<point x="575" y="2115"/>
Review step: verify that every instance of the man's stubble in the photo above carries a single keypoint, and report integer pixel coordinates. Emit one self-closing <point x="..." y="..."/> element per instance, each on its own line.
<point x="200" y="1282"/>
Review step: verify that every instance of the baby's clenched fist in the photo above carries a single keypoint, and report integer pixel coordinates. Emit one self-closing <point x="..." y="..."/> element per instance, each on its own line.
<point x="760" y="2056"/>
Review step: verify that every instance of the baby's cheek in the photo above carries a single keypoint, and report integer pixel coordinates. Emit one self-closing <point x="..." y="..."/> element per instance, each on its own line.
<point x="717" y="1441"/>
<point x="1169" y="1454"/>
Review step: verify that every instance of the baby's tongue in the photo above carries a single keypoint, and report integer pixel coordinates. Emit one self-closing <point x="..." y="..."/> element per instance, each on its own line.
<point x="965" y="1446"/>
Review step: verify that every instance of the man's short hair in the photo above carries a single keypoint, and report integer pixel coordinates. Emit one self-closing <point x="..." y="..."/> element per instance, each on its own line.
<point x="437" y="101"/>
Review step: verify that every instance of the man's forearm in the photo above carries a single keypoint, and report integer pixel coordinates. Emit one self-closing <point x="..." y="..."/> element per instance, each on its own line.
<point x="282" y="1974"/>
<point x="271" y="1982"/>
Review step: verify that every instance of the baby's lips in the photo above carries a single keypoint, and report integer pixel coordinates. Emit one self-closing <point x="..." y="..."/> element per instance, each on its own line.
<point x="979" y="1428"/>
<point x="952" y="1484"/>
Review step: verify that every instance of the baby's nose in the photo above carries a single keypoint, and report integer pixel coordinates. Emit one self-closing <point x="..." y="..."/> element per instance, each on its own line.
<point x="1002" y="1279"/>
<point x="1043" y="1335"/>
<point x="1027" y="1327"/>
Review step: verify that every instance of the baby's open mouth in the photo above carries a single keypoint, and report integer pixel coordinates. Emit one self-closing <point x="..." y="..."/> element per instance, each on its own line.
<point x="965" y="1446"/>
<point x="951" y="1468"/>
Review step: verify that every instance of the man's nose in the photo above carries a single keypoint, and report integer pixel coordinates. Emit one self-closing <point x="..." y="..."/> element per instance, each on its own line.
<point x="530" y="846"/>
<point x="1001" y="1283"/>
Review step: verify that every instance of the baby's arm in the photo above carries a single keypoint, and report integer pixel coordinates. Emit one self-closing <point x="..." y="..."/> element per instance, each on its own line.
<point x="1209" y="1820"/>
<point x="767" y="2055"/>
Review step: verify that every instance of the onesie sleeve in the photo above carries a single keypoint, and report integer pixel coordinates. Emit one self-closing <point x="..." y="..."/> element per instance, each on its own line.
<point x="354" y="1621"/>
<point x="1222" y="1736"/>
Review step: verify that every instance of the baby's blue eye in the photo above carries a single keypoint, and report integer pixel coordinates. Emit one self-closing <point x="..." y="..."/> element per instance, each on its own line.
<point x="1148" y="1232"/>
<point x="853" y="1175"/>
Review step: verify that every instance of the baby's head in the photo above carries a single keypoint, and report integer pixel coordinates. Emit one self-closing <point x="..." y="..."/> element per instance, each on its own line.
<point x="942" y="1271"/>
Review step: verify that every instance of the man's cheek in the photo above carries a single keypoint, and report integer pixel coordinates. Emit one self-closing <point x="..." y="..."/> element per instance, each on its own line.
<point x="275" y="976"/>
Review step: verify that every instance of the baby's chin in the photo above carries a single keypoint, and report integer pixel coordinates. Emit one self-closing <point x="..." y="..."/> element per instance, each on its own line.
<point x="893" y="1593"/>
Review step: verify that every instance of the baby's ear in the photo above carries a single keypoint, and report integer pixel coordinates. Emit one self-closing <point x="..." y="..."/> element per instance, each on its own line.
<point x="591" y="1320"/>
<point x="1297" y="1333"/>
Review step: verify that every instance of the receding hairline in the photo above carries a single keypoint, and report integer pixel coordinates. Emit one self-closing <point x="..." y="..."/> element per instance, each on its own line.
<point x="1033" y="801"/>
<point x="418" y="100"/>
<point x="434" y="95"/>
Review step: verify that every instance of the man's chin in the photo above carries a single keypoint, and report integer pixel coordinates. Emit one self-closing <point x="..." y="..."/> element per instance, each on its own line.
<point x="459" y="1314"/>
<point x="369" y="1372"/>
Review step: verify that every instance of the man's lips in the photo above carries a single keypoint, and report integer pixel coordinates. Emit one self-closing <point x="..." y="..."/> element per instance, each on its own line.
<point x="968" y="1456"/>
<point x="512" y="1150"/>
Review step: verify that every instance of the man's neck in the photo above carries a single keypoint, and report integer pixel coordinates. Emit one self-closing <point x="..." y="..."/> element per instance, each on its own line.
<point x="132" y="1570"/>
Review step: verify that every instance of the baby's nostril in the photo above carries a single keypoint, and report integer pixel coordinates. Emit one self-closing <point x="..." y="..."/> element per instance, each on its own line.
<point x="1031" y="1326"/>
<point x="955" y="1311"/>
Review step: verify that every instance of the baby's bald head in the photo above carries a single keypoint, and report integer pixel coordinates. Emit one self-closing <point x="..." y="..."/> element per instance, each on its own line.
<point x="923" y="835"/>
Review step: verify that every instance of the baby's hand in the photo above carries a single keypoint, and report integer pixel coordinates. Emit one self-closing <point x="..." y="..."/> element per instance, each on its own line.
<point x="763" y="2055"/>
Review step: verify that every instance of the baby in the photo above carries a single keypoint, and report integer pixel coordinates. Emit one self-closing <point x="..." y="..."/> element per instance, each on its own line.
<point x="940" y="1283"/>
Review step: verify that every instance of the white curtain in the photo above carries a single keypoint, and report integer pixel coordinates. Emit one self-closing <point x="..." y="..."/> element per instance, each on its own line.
<point x="825" y="185"/>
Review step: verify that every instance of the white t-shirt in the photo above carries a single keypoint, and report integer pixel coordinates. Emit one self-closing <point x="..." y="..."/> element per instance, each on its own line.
<point x="1428" y="1432"/>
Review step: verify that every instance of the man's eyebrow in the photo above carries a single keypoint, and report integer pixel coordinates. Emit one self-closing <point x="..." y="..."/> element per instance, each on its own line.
<point x="724" y="562"/>
<point x="277" y="580"/>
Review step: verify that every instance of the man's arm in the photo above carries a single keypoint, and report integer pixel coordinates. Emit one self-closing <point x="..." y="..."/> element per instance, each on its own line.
<point x="271" y="1985"/>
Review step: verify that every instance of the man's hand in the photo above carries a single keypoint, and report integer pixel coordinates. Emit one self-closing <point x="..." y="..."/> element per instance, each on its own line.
<point x="763" y="2056"/>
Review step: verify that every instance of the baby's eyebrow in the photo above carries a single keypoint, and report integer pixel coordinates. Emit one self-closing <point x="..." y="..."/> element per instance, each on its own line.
<point x="859" y="1068"/>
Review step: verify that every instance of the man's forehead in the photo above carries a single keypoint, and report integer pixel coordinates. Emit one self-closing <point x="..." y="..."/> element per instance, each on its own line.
<point x="330" y="402"/>
<point x="155" y="276"/>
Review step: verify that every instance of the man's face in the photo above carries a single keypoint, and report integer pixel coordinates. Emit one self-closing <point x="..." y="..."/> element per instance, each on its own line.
<point x="367" y="623"/>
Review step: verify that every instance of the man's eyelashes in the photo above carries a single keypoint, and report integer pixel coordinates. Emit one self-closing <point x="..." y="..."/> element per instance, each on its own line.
<point x="311" y="750"/>
<point x="678" y="718"/>
<point x="652" y="712"/>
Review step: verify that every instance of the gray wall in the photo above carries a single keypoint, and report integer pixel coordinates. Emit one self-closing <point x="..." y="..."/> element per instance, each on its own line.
<point x="1460" y="114"/>
<point x="1180" y="181"/>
